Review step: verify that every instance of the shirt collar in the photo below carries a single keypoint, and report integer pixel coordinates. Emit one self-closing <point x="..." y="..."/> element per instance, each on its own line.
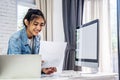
<point x="24" y="36"/>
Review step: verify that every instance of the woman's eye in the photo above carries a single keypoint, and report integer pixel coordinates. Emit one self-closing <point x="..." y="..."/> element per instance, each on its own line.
<point x="35" y="24"/>
<point x="42" y="24"/>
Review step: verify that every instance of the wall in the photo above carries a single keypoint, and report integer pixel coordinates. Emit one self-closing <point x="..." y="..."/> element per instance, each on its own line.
<point x="8" y="22"/>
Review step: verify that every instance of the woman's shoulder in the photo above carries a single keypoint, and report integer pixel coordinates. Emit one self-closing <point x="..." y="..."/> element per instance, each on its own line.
<point x="16" y="35"/>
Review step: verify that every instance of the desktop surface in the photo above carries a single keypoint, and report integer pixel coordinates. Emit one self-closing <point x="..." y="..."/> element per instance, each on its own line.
<point x="78" y="75"/>
<point x="74" y="75"/>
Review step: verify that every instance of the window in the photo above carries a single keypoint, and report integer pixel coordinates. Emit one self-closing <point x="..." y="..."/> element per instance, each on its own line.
<point x="22" y="8"/>
<point x="113" y="25"/>
<point x="106" y="12"/>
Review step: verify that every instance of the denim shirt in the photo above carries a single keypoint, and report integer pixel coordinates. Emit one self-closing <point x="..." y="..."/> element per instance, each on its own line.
<point x="18" y="43"/>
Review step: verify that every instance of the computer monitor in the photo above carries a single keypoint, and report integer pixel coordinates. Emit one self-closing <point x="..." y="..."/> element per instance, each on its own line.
<point x="87" y="51"/>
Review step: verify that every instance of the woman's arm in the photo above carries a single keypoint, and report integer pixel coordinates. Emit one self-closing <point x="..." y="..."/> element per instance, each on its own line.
<point x="49" y="70"/>
<point x="14" y="47"/>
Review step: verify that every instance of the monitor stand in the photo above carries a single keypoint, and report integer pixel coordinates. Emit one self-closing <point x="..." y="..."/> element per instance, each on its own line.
<point x="89" y="70"/>
<point x="94" y="70"/>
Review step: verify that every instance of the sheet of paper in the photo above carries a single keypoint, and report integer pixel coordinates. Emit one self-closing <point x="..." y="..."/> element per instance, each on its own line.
<point x="52" y="53"/>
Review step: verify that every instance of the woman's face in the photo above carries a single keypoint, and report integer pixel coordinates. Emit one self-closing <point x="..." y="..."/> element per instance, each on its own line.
<point x="35" y="26"/>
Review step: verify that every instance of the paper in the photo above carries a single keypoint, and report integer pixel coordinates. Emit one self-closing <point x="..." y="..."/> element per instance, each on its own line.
<point x="52" y="53"/>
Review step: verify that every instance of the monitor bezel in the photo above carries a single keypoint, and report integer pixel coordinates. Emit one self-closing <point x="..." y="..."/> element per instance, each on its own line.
<point x="87" y="25"/>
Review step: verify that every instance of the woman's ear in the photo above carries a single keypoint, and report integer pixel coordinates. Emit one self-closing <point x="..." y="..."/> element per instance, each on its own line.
<point x="26" y="22"/>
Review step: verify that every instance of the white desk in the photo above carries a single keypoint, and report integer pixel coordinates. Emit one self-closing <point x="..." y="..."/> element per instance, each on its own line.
<point x="73" y="75"/>
<point x="77" y="75"/>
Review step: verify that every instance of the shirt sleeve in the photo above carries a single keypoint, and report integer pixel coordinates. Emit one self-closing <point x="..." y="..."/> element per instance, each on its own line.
<point x="14" y="47"/>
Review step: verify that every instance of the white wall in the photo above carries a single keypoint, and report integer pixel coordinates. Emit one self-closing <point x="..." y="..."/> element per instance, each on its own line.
<point x="8" y="22"/>
<point x="58" y="33"/>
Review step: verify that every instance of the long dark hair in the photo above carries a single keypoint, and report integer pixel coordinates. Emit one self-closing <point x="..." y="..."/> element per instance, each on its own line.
<point x="32" y="14"/>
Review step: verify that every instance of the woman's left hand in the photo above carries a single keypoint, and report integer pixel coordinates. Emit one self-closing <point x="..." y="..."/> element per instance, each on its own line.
<point x="49" y="70"/>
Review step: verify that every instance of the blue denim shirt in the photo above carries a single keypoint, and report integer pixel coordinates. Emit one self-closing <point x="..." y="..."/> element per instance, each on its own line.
<point x="18" y="43"/>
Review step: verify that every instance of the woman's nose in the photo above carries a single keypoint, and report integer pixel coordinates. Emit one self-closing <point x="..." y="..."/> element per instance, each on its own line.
<point x="39" y="28"/>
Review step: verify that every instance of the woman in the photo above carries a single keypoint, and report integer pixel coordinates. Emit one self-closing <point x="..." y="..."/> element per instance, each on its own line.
<point x="27" y="40"/>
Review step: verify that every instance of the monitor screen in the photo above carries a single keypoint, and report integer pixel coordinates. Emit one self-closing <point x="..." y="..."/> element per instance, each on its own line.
<point x="87" y="52"/>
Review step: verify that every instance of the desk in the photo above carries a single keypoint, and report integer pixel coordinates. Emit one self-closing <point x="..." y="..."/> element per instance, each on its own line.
<point x="75" y="75"/>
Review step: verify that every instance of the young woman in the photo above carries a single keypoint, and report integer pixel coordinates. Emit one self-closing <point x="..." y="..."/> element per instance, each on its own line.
<point x="27" y="40"/>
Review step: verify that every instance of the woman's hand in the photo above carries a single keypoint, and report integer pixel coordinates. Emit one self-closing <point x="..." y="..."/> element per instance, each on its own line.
<point x="42" y="62"/>
<point x="49" y="70"/>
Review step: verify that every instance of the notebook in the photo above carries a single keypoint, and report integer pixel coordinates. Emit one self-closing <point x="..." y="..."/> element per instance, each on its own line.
<point x="20" y="66"/>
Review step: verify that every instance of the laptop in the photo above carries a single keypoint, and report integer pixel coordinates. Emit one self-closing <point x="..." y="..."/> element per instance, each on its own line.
<point x="20" y="66"/>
